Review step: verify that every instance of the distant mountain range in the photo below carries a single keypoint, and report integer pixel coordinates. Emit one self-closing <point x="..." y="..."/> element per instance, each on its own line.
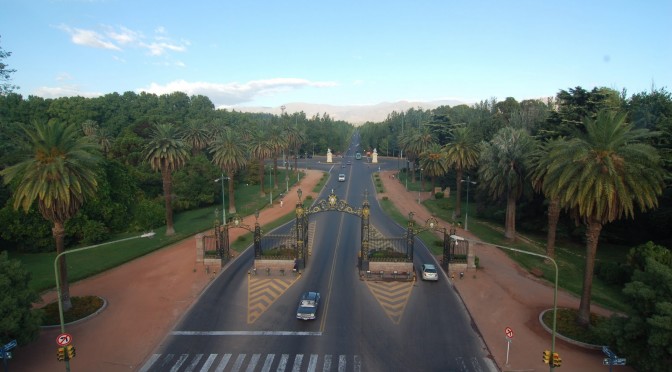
<point x="355" y="114"/>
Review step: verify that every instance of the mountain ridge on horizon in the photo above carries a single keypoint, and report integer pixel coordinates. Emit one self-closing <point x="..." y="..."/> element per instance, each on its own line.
<point x="355" y="114"/>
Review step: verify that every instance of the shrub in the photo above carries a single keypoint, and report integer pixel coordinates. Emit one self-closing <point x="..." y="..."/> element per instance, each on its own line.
<point x="438" y="195"/>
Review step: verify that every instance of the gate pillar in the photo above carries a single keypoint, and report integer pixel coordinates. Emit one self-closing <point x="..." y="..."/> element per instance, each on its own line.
<point x="366" y="228"/>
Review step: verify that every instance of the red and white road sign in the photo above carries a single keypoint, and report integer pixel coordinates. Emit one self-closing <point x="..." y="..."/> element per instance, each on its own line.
<point x="64" y="339"/>
<point x="509" y="332"/>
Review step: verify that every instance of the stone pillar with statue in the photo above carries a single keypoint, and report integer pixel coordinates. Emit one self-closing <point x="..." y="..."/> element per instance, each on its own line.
<point x="329" y="157"/>
<point x="374" y="156"/>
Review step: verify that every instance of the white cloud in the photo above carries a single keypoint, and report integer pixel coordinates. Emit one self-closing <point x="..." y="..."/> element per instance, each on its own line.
<point x="235" y="93"/>
<point x="88" y="38"/>
<point x="115" y="38"/>
<point x="63" y="91"/>
<point x="124" y="35"/>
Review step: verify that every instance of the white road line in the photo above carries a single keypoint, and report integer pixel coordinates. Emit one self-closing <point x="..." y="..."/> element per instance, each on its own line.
<point x="223" y="363"/>
<point x="298" y="359"/>
<point x="208" y="363"/>
<point x="150" y="362"/>
<point x="253" y="362"/>
<point x="244" y="333"/>
<point x="312" y="363"/>
<point x="179" y="362"/>
<point x="194" y="363"/>
<point x="267" y="363"/>
<point x="327" y="363"/>
<point x="283" y="363"/>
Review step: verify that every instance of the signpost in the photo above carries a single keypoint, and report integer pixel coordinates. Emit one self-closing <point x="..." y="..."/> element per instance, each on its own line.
<point x="5" y="354"/>
<point x="509" y="335"/>
<point x="611" y="359"/>
<point x="64" y="339"/>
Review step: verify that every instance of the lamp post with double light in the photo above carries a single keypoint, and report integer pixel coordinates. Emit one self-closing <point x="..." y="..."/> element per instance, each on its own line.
<point x="57" y="275"/>
<point x="466" y="213"/>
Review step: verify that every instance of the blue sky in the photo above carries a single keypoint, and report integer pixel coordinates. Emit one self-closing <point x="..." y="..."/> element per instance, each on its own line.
<point x="268" y="53"/>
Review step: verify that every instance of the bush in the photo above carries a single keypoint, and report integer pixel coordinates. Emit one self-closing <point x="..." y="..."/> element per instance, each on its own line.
<point x="438" y="195"/>
<point x="385" y="198"/>
<point x="613" y="273"/>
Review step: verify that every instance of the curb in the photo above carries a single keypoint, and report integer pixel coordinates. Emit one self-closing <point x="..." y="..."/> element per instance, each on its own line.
<point x="80" y="320"/>
<point x="565" y="338"/>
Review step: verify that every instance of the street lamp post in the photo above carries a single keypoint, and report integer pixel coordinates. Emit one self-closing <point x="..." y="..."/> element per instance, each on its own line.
<point x="466" y="213"/>
<point x="555" y="287"/>
<point x="270" y="185"/>
<point x="420" y="186"/>
<point x="57" y="273"/>
<point x="221" y="179"/>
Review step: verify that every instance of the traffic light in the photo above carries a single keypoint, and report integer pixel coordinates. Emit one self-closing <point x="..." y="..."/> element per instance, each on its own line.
<point x="71" y="351"/>
<point x="557" y="361"/>
<point x="60" y="354"/>
<point x="547" y="356"/>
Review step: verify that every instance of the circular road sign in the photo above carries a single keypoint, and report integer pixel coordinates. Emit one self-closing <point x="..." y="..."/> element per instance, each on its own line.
<point x="509" y="332"/>
<point x="64" y="339"/>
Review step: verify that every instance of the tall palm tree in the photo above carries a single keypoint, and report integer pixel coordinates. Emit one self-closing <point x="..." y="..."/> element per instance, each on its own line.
<point x="278" y="143"/>
<point x="230" y="154"/>
<point x="166" y="152"/>
<point x="539" y="163"/>
<point x="196" y="135"/>
<point x="295" y="137"/>
<point x="503" y="170"/>
<point x="462" y="153"/>
<point x="433" y="163"/>
<point x="600" y="176"/>
<point x="59" y="172"/>
<point x="260" y="149"/>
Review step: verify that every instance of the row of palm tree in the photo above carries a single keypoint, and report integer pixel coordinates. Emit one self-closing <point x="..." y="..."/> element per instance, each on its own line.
<point x="602" y="173"/>
<point x="58" y="170"/>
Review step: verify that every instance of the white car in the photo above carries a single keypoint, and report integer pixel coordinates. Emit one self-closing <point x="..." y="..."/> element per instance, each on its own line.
<point x="341" y="177"/>
<point x="429" y="272"/>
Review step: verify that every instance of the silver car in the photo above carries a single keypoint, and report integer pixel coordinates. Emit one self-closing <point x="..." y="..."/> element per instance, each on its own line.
<point x="429" y="272"/>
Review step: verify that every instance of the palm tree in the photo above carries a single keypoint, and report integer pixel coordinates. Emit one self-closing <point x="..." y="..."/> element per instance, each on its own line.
<point x="59" y="172"/>
<point x="503" y="170"/>
<point x="166" y="152"/>
<point x="295" y="138"/>
<point x="229" y="154"/>
<point x="260" y="149"/>
<point x="600" y="176"/>
<point x="277" y="142"/>
<point x="196" y="135"/>
<point x="540" y="160"/>
<point x="462" y="152"/>
<point x="433" y="163"/>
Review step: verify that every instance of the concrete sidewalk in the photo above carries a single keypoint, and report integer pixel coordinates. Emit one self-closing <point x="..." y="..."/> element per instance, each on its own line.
<point x="146" y="297"/>
<point x="499" y="295"/>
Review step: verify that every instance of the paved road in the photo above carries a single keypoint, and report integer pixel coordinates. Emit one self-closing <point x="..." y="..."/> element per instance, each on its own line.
<point x="246" y="322"/>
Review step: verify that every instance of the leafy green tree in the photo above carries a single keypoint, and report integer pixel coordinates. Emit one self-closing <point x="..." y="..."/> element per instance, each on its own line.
<point x="166" y="153"/>
<point x="59" y="174"/>
<point x="643" y="337"/>
<point x="230" y="154"/>
<point x="18" y="321"/>
<point x="600" y="176"/>
<point x="462" y="153"/>
<point x="5" y="74"/>
<point x="504" y="169"/>
<point x="194" y="183"/>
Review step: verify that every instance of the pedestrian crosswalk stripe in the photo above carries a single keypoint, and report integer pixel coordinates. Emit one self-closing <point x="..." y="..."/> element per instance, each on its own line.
<point x="286" y="363"/>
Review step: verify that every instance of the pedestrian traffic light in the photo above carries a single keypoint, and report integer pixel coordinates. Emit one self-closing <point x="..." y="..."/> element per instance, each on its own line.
<point x="557" y="361"/>
<point x="60" y="354"/>
<point x="547" y="356"/>
<point x="71" y="351"/>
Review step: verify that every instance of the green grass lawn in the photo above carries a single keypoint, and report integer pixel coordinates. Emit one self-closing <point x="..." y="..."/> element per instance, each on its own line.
<point x="570" y="256"/>
<point x="87" y="263"/>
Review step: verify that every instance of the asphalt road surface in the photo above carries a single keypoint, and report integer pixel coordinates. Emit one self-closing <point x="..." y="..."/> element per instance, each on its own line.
<point x="247" y="322"/>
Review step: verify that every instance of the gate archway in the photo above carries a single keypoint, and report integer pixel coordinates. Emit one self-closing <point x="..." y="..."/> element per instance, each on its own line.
<point x="334" y="204"/>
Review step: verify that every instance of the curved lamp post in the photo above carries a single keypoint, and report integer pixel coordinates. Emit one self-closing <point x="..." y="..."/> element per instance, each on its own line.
<point x="466" y="213"/>
<point x="221" y="179"/>
<point x="57" y="273"/>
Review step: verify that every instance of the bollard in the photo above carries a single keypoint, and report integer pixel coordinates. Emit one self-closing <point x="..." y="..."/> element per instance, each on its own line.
<point x="461" y="275"/>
